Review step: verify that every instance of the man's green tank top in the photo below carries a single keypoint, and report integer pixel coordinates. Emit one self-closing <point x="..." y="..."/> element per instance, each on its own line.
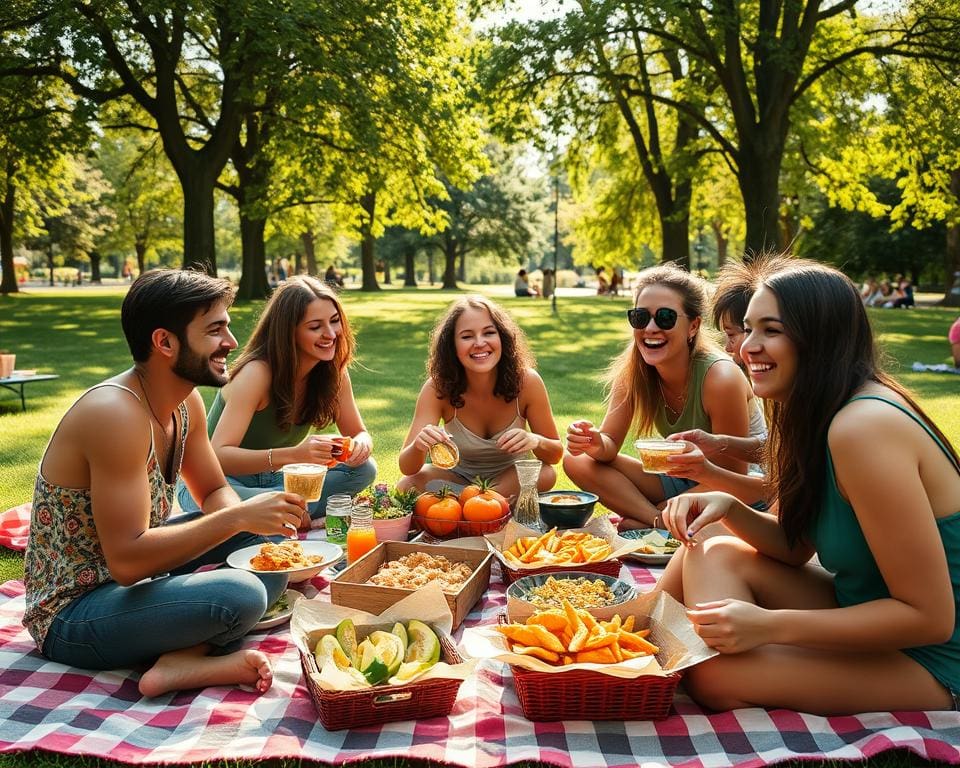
<point x="263" y="431"/>
<point x="693" y="415"/>
<point x="843" y="550"/>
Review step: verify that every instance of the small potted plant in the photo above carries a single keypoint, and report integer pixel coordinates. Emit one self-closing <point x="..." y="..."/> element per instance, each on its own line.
<point x="392" y="510"/>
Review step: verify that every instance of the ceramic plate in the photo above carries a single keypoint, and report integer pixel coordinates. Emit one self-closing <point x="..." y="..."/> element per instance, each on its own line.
<point x="329" y="553"/>
<point x="274" y="618"/>
<point x="522" y="587"/>
<point x="653" y="535"/>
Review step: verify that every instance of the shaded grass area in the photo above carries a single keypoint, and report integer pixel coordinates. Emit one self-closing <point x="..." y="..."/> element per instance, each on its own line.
<point x="77" y="335"/>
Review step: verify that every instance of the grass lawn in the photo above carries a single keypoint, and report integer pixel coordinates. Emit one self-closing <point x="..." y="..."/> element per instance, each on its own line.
<point x="76" y="334"/>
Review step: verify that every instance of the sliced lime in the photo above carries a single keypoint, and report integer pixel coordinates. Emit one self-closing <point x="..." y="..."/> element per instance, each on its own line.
<point x="423" y="644"/>
<point x="370" y="664"/>
<point x="347" y="637"/>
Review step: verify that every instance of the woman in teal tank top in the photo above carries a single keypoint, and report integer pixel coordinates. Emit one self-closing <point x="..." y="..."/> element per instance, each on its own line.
<point x="291" y="378"/>
<point x="861" y="477"/>
<point x="670" y="378"/>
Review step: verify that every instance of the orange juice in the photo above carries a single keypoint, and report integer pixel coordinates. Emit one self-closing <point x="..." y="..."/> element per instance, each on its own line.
<point x="359" y="542"/>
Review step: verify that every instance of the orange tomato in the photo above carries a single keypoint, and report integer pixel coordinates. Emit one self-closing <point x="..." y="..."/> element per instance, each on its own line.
<point x="442" y="517"/>
<point x="481" y="487"/>
<point x="424" y="502"/>
<point x="479" y="510"/>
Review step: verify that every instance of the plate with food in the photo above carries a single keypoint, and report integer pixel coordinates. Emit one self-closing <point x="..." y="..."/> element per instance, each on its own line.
<point x="579" y="588"/>
<point x="658" y="546"/>
<point x="300" y="560"/>
<point x="280" y="612"/>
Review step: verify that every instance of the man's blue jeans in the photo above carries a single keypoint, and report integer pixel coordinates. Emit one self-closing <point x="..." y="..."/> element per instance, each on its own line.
<point x="114" y="626"/>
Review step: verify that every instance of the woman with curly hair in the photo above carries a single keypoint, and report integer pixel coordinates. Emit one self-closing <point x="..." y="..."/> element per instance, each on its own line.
<point x="290" y="379"/>
<point x="863" y="478"/>
<point x="482" y="394"/>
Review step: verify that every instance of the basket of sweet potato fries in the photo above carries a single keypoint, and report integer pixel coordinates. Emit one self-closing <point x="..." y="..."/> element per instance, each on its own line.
<point x="555" y="551"/>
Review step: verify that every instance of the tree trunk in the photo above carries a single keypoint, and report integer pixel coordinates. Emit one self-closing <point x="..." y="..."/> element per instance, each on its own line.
<point x="462" y="268"/>
<point x="722" y="242"/>
<point x="676" y="238"/>
<point x="95" y="268"/>
<point x="409" y="267"/>
<point x="759" y="180"/>
<point x="140" y="246"/>
<point x="386" y="271"/>
<point x="368" y="263"/>
<point x="431" y="274"/>
<point x="9" y="282"/>
<point x="450" y="263"/>
<point x="50" y="261"/>
<point x="199" y="244"/>
<point x="952" y="296"/>
<point x="253" y="275"/>
<point x="310" y="250"/>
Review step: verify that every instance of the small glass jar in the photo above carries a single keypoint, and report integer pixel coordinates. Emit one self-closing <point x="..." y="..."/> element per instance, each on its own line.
<point x="361" y="536"/>
<point x="339" y="508"/>
<point x="527" y="510"/>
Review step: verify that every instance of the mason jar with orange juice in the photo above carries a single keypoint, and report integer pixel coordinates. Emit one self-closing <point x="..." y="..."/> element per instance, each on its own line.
<point x="361" y="536"/>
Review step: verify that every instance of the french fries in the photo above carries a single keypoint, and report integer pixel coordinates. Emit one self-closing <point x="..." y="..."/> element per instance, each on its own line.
<point x="552" y="548"/>
<point x="573" y="636"/>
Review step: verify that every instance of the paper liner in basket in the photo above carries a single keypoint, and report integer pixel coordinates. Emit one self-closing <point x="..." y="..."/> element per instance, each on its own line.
<point x="598" y="526"/>
<point x="312" y="619"/>
<point x="670" y="630"/>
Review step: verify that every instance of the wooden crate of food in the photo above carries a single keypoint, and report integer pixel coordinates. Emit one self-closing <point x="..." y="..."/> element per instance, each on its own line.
<point x="350" y="587"/>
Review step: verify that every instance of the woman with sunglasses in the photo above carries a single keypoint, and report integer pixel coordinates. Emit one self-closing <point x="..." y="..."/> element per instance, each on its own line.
<point x="863" y="478"/>
<point x="483" y="395"/>
<point x="669" y="378"/>
<point x="291" y="378"/>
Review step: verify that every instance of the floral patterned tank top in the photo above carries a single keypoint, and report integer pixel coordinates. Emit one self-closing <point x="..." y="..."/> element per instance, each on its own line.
<point x="64" y="559"/>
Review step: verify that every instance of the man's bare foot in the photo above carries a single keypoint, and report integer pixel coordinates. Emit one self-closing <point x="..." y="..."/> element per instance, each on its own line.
<point x="193" y="668"/>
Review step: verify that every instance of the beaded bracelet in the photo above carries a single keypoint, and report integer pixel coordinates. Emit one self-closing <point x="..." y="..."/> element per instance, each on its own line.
<point x="270" y="457"/>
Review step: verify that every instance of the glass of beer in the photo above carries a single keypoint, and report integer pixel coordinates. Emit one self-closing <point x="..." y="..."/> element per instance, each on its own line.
<point x="305" y="480"/>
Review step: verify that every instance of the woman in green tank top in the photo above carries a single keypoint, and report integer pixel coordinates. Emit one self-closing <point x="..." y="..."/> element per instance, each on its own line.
<point x="291" y="378"/>
<point x="862" y="478"/>
<point x="670" y="378"/>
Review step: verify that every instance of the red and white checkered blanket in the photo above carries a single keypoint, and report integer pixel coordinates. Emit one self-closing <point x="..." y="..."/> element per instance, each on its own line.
<point x="48" y="706"/>
<point x="15" y="527"/>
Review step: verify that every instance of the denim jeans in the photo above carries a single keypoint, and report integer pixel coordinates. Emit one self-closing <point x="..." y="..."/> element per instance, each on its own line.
<point x="114" y="626"/>
<point x="341" y="478"/>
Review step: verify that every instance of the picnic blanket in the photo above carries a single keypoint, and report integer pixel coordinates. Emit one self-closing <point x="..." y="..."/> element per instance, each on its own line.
<point x="15" y="527"/>
<point x="937" y="368"/>
<point x="49" y="706"/>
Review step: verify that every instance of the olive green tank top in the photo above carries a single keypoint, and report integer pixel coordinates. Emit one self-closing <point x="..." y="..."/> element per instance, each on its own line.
<point x="263" y="431"/>
<point x="693" y="415"/>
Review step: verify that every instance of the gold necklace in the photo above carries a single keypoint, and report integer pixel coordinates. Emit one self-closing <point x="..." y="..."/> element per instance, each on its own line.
<point x="163" y="429"/>
<point x="666" y="403"/>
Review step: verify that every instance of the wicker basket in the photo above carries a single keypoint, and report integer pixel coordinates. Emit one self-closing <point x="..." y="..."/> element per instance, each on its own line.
<point x="457" y="529"/>
<point x="384" y="703"/>
<point x="606" y="567"/>
<point x="585" y="695"/>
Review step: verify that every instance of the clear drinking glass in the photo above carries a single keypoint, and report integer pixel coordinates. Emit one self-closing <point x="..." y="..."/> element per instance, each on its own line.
<point x="527" y="511"/>
<point x="338" y="517"/>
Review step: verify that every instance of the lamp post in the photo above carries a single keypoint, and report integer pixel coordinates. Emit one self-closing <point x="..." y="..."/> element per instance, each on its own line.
<point x="556" y="238"/>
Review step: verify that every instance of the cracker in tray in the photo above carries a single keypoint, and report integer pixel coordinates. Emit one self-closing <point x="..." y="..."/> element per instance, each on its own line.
<point x="417" y="569"/>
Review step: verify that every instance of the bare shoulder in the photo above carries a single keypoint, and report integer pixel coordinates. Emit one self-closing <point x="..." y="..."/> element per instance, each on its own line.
<point x="196" y="410"/>
<point x="109" y="419"/>
<point x="256" y="375"/>
<point x="867" y="423"/>
<point x="533" y="380"/>
<point x="725" y="378"/>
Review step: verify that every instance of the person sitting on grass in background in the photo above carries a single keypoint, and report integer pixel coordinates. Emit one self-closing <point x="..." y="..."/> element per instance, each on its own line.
<point x="290" y="378"/>
<point x="671" y="378"/>
<point x="954" y="337"/>
<point x="482" y="393"/>
<point x="522" y="287"/>
<point x="862" y="477"/>
<point x="110" y="583"/>
<point x="732" y="294"/>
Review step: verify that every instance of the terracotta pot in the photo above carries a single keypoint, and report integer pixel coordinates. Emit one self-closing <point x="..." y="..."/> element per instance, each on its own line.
<point x="395" y="529"/>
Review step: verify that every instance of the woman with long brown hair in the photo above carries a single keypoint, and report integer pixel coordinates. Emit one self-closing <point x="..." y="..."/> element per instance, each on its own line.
<point x="482" y="394"/>
<point x="862" y="477"/>
<point x="291" y="378"/>
<point x="669" y="378"/>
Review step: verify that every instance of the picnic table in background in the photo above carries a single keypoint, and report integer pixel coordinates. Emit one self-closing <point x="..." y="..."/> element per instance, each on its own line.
<point x="16" y="381"/>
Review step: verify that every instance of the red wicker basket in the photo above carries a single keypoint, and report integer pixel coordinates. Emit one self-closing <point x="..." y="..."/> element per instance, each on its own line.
<point x="585" y="695"/>
<point x="384" y="703"/>
<point x="459" y="528"/>
<point x="606" y="567"/>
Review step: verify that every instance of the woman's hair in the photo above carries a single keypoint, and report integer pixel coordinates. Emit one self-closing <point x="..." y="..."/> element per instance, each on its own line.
<point x="629" y="373"/>
<point x="823" y="316"/>
<point x="274" y="341"/>
<point x="445" y="368"/>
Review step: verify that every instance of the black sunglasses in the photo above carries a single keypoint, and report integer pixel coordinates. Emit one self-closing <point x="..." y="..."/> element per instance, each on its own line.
<point x="665" y="318"/>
